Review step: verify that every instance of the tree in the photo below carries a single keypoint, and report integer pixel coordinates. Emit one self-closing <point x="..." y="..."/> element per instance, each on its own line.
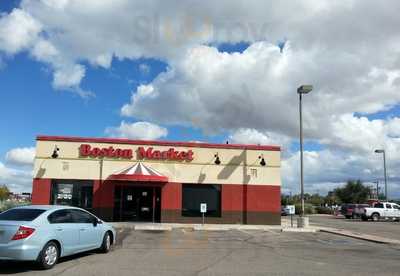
<point x="353" y="192"/>
<point x="332" y="199"/>
<point x="4" y="192"/>
<point x="316" y="200"/>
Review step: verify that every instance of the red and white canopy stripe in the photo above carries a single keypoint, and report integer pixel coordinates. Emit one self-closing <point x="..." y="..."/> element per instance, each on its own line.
<point x="138" y="172"/>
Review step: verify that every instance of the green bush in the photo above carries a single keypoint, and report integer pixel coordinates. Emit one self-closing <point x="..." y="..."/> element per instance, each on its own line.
<point x="323" y="210"/>
<point x="308" y="209"/>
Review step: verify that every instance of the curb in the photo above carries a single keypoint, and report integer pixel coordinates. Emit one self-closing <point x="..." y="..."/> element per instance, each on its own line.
<point x="152" y="228"/>
<point x="300" y="230"/>
<point x="360" y="236"/>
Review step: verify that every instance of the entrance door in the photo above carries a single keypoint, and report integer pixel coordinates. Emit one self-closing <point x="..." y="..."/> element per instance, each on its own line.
<point x="137" y="203"/>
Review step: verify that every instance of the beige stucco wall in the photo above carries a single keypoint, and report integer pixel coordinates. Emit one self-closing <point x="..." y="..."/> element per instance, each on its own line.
<point x="238" y="166"/>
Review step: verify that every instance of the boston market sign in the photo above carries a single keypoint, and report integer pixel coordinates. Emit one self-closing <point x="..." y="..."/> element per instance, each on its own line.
<point x="86" y="150"/>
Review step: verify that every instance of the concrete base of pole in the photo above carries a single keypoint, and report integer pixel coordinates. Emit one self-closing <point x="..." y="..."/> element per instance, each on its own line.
<point x="303" y="222"/>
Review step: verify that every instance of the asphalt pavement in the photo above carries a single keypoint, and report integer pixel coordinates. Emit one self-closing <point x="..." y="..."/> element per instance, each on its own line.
<point x="233" y="252"/>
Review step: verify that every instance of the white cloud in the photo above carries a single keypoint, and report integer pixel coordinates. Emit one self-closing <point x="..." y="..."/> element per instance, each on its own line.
<point x="44" y="51"/>
<point x="352" y="61"/>
<point x="138" y="130"/>
<point x="144" y="68"/>
<point x="96" y="31"/>
<point x="16" y="180"/>
<point x="68" y="77"/>
<point x="257" y="89"/>
<point x="325" y="167"/>
<point x="18" y="31"/>
<point x="349" y="155"/>
<point x="21" y="156"/>
<point x="103" y="60"/>
<point x="253" y="136"/>
<point x="17" y="173"/>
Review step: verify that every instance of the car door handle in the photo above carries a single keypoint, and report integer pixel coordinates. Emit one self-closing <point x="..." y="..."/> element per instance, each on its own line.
<point x="59" y="229"/>
<point x="82" y="229"/>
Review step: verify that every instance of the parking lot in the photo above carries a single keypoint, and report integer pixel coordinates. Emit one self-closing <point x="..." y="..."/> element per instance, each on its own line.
<point x="184" y="252"/>
<point x="386" y="229"/>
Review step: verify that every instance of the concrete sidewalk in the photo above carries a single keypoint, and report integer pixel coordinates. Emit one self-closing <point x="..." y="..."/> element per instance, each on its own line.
<point x="192" y="227"/>
<point x="143" y="226"/>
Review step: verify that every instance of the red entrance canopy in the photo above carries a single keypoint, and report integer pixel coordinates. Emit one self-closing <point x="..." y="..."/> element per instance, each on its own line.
<point x="138" y="172"/>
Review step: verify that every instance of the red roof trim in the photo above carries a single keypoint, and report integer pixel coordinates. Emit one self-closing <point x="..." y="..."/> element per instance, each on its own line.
<point x="138" y="177"/>
<point x="155" y="143"/>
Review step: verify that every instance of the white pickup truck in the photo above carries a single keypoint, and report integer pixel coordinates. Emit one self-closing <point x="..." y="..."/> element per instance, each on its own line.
<point x="381" y="210"/>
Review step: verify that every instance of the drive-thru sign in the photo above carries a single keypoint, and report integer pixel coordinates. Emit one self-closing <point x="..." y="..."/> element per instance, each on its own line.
<point x="203" y="209"/>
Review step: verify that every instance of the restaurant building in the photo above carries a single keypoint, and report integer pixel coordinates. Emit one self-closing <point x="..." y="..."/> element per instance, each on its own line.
<point x="159" y="181"/>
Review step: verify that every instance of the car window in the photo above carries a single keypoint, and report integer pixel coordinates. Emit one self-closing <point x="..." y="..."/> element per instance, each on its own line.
<point x="388" y="206"/>
<point x="395" y="206"/>
<point x="60" y="216"/>
<point x="21" y="214"/>
<point x="80" y="216"/>
<point x="378" y="205"/>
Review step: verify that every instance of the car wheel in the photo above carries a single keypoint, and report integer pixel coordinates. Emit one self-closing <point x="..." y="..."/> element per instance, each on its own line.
<point x="49" y="255"/>
<point x="106" y="245"/>
<point x="375" y="217"/>
<point x="347" y="217"/>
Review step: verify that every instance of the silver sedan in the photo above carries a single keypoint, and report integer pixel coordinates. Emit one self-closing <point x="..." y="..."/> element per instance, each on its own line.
<point x="46" y="233"/>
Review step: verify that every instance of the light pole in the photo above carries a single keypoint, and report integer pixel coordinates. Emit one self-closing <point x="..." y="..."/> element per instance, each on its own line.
<point x="304" y="89"/>
<point x="384" y="169"/>
<point x="377" y="189"/>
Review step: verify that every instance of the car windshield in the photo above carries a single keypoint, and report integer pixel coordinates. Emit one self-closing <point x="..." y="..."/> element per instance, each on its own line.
<point x="22" y="214"/>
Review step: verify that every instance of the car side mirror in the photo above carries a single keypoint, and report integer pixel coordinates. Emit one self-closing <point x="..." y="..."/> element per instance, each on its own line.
<point x="95" y="222"/>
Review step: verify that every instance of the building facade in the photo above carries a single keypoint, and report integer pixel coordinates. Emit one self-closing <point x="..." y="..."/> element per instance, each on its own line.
<point x="131" y="180"/>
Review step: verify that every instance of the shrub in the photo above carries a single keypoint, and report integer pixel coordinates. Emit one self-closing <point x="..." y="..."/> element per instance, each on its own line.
<point x="323" y="210"/>
<point x="308" y="209"/>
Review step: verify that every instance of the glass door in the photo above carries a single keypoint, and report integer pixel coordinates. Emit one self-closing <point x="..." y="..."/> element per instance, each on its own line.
<point x="136" y="204"/>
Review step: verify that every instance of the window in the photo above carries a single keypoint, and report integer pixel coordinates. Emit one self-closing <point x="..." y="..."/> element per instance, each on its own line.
<point x="21" y="214"/>
<point x="73" y="193"/>
<point x="378" y="205"/>
<point x="396" y="206"/>
<point x="82" y="217"/>
<point x="60" y="216"/>
<point x="195" y="194"/>
<point x="388" y="206"/>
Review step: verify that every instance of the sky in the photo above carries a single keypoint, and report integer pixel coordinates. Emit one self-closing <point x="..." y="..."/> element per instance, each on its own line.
<point x="207" y="71"/>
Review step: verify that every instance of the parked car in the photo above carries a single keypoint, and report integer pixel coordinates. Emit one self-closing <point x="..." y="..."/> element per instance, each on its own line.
<point x="46" y="233"/>
<point x="353" y="210"/>
<point x="284" y="211"/>
<point x="382" y="210"/>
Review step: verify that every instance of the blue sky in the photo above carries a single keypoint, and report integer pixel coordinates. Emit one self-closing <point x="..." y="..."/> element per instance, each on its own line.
<point x="37" y="109"/>
<point x="224" y="74"/>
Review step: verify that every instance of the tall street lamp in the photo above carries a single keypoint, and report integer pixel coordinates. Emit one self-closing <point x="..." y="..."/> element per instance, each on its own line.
<point x="304" y="89"/>
<point x="384" y="169"/>
<point x="377" y="189"/>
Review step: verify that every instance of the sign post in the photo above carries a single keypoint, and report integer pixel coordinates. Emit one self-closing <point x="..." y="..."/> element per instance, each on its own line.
<point x="203" y="210"/>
